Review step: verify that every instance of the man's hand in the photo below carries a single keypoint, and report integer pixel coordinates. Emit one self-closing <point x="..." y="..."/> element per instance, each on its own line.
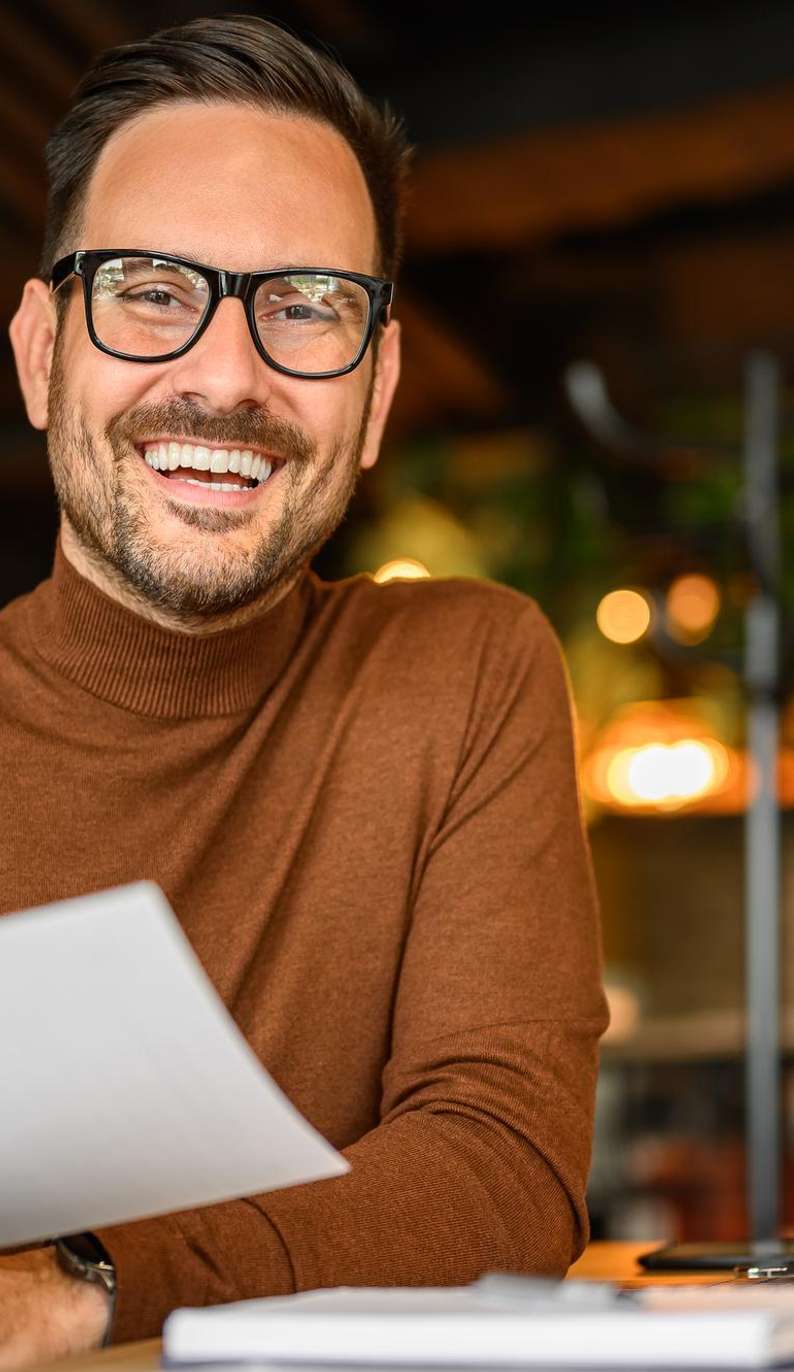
<point x="45" y="1313"/>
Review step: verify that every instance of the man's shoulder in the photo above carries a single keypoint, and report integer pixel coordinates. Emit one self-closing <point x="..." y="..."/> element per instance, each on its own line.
<point x="430" y="598"/>
<point x="456" y="616"/>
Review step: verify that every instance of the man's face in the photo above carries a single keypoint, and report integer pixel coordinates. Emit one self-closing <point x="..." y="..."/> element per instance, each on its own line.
<point x="236" y="188"/>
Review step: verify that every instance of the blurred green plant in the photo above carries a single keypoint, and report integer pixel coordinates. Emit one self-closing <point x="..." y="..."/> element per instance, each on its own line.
<point x="565" y="524"/>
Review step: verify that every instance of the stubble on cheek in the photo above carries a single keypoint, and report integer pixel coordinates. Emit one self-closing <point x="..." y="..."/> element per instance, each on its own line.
<point x="85" y="494"/>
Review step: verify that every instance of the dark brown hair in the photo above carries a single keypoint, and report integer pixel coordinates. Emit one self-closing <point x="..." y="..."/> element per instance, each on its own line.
<point x="237" y="58"/>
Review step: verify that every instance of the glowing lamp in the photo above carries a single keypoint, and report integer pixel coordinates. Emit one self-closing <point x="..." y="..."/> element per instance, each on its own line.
<point x="660" y="756"/>
<point x="667" y="775"/>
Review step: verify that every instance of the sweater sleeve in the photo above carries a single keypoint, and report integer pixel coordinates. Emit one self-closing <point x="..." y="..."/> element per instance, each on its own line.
<point x="480" y="1158"/>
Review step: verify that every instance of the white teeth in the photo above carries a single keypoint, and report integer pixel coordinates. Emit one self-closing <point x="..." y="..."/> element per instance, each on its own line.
<point x="164" y="457"/>
<point x="213" y="485"/>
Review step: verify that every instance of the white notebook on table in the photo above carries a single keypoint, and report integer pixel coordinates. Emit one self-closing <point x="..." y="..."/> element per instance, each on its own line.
<point x="726" y="1326"/>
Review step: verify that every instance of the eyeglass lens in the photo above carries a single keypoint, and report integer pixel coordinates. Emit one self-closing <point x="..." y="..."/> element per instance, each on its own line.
<point x="307" y="321"/>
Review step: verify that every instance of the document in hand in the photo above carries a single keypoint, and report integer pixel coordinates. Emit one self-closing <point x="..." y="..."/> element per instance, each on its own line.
<point x="726" y="1326"/>
<point x="126" y="1088"/>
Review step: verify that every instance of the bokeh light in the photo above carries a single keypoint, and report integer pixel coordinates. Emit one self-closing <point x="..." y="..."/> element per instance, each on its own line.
<point x="624" y="1013"/>
<point x="401" y="568"/>
<point x="624" y="616"/>
<point x="665" y="775"/>
<point x="692" y="605"/>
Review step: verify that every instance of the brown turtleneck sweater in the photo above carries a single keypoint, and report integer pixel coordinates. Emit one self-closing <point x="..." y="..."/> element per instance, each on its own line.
<point x="362" y="808"/>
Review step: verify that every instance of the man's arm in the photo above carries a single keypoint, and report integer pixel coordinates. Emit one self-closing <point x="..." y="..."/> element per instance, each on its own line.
<point x="481" y="1155"/>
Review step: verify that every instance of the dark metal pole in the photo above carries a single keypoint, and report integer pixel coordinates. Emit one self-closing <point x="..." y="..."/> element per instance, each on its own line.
<point x="762" y="829"/>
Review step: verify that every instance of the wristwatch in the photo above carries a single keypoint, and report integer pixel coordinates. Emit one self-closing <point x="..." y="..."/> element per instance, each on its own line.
<point x="83" y="1256"/>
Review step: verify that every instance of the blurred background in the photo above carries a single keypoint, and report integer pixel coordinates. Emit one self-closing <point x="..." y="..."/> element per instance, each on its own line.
<point x="600" y="232"/>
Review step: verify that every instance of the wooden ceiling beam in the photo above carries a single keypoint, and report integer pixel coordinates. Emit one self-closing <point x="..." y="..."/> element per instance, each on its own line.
<point x="704" y="300"/>
<point x="597" y="176"/>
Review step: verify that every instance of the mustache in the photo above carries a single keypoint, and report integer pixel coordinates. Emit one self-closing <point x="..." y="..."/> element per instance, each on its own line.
<point x="243" y="428"/>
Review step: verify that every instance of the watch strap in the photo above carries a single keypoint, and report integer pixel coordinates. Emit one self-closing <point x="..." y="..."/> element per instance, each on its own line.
<point x="84" y="1257"/>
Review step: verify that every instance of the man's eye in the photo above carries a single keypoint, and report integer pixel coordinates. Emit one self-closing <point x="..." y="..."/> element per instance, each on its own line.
<point x="300" y="311"/>
<point x="153" y="295"/>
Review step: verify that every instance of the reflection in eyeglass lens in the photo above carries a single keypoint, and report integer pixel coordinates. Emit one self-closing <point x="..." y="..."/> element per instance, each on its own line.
<point x="146" y="306"/>
<point x="311" y="320"/>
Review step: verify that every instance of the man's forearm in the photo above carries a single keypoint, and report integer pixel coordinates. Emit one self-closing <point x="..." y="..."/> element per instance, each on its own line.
<point x="484" y="1167"/>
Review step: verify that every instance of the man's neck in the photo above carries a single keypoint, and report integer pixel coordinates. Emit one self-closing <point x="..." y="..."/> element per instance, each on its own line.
<point x="108" y="580"/>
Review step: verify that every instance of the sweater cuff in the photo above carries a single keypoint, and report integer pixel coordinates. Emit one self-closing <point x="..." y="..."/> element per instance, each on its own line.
<point x="194" y="1259"/>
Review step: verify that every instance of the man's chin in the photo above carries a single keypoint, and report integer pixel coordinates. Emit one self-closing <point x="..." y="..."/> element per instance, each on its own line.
<point x="191" y="562"/>
<point x="194" y="580"/>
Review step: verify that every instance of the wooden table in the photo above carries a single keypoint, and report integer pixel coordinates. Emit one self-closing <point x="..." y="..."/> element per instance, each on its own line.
<point x="617" y="1261"/>
<point x="600" y="1262"/>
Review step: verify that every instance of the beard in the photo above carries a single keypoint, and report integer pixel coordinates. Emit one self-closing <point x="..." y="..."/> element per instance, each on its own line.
<point x="212" y="571"/>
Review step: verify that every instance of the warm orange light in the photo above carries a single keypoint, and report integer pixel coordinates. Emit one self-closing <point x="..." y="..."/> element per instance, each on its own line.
<point x="402" y="568"/>
<point x="666" y="775"/>
<point x="660" y="756"/>
<point x="693" y="603"/>
<point x="624" y="616"/>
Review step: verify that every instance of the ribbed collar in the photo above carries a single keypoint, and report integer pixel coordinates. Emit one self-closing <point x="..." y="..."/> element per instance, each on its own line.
<point x="129" y="661"/>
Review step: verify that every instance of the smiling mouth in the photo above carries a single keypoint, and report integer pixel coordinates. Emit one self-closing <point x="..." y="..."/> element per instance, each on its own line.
<point x="217" y="469"/>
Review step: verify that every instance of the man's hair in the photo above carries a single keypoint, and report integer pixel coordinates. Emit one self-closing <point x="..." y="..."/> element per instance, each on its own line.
<point x="236" y="58"/>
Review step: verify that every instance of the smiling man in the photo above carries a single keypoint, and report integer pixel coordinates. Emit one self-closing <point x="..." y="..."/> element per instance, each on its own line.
<point x="242" y="472"/>
<point x="359" y="799"/>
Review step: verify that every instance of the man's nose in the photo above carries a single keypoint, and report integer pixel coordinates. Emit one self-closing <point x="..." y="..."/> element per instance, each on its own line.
<point x="223" y="371"/>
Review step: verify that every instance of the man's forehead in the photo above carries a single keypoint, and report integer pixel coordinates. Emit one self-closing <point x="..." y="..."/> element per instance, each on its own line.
<point x="207" y="180"/>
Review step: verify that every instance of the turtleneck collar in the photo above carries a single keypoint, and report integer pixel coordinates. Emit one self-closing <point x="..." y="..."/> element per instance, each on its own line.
<point x="136" y="664"/>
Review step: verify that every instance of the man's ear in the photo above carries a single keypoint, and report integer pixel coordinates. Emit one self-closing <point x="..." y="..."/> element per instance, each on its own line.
<point x="32" y="334"/>
<point x="387" y="374"/>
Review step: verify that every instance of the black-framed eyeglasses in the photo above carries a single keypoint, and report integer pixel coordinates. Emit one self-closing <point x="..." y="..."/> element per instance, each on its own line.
<point x="144" y="306"/>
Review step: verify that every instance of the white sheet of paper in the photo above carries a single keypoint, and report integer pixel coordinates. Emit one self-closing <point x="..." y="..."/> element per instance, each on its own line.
<point x="126" y="1089"/>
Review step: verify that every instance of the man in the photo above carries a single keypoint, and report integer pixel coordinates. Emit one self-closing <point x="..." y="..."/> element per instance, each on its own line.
<point x="360" y="800"/>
